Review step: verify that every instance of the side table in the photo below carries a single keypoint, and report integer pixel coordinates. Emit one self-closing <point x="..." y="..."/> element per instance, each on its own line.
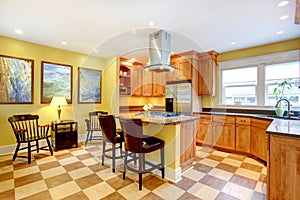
<point x="65" y="133"/>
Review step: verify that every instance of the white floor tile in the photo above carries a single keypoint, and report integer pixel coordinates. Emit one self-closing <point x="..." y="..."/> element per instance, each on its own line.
<point x="237" y="191"/>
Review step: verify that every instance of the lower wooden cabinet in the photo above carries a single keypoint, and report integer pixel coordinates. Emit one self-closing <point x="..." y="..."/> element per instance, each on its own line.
<point x="284" y="168"/>
<point x="242" y="134"/>
<point x="187" y="144"/>
<point x="259" y="142"/>
<point x="204" y="130"/>
<point x="224" y="131"/>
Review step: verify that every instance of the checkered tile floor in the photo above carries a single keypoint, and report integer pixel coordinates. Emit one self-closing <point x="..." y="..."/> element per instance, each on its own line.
<point x="78" y="174"/>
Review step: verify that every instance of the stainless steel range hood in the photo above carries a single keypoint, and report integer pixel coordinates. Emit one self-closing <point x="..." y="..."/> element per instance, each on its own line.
<point x="159" y="52"/>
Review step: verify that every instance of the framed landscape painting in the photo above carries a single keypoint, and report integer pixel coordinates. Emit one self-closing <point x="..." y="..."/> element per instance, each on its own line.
<point x="16" y="80"/>
<point x="89" y="85"/>
<point x="56" y="81"/>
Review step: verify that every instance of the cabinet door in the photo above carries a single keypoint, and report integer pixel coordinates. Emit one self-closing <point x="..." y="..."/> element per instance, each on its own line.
<point x="207" y="73"/>
<point x="185" y="69"/>
<point x="204" y="132"/>
<point x="147" y="83"/>
<point x="187" y="144"/>
<point x="159" y="84"/>
<point x="224" y="135"/>
<point x="284" y="168"/>
<point x="136" y="81"/>
<point x="258" y="146"/>
<point x="173" y="76"/>
<point x="242" y="138"/>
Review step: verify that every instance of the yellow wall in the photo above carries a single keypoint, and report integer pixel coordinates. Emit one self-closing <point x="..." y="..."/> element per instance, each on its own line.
<point x="278" y="47"/>
<point x="46" y="112"/>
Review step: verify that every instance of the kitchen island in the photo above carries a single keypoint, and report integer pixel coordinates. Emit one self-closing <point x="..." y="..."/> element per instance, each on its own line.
<point x="179" y="134"/>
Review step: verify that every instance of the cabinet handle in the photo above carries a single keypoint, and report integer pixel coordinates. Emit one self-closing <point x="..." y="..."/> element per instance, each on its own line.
<point x="243" y="120"/>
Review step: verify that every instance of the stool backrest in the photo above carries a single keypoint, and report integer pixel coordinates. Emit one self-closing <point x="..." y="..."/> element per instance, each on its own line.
<point x="133" y="134"/>
<point x="94" y="121"/>
<point x="108" y="126"/>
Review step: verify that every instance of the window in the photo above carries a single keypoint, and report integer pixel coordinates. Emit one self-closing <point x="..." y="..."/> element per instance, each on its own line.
<point x="251" y="81"/>
<point x="278" y="72"/>
<point x="240" y="86"/>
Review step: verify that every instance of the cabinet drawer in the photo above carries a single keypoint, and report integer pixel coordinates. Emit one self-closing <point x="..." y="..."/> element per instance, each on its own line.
<point x="224" y="119"/>
<point x="260" y="123"/>
<point x="204" y="117"/>
<point x="243" y="120"/>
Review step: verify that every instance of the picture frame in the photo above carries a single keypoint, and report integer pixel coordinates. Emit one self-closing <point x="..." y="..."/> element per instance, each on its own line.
<point x="16" y="80"/>
<point x="89" y="85"/>
<point x="56" y="80"/>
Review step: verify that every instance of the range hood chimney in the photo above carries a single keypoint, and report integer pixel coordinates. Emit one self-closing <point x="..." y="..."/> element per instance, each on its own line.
<point x="159" y="52"/>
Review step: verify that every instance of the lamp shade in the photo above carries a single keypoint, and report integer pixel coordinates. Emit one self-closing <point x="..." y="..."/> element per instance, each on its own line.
<point x="58" y="101"/>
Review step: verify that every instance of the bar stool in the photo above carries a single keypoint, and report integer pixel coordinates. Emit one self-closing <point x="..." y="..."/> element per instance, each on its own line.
<point x="137" y="143"/>
<point x="111" y="135"/>
<point x="92" y="125"/>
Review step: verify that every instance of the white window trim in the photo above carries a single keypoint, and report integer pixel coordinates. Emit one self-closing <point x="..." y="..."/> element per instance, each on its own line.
<point x="260" y="62"/>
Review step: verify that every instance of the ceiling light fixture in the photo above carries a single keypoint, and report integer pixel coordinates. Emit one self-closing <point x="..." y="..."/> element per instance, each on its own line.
<point x="232" y="43"/>
<point x="151" y="23"/>
<point x="283" y="3"/>
<point x="64" y="43"/>
<point x="279" y="32"/>
<point x="283" y="17"/>
<point x="19" y="31"/>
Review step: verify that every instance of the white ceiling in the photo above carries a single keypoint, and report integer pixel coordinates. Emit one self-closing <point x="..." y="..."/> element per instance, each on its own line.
<point x="121" y="27"/>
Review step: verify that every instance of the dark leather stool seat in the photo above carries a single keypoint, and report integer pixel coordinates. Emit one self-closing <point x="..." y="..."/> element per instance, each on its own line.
<point x="137" y="143"/>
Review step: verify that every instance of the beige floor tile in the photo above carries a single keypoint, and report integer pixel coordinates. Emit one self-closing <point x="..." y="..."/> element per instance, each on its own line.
<point x="168" y="191"/>
<point x="6" y="169"/>
<point x="209" y="162"/>
<point x="69" y="160"/>
<point x="64" y="190"/>
<point x="194" y="174"/>
<point x="221" y="174"/>
<point x="90" y="161"/>
<point x="220" y="153"/>
<point x="203" y="192"/>
<point x="132" y="191"/>
<point x="6" y="185"/>
<point x="81" y="172"/>
<point x="233" y="162"/>
<point x="53" y="172"/>
<point x="98" y="191"/>
<point x="26" y="171"/>
<point x="79" y="152"/>
<point x="261" y="187"/>
<point x="248" y="173"/>
<point x="106" y="174"/>
<point x="30" y="189"/>
<point x="237" y="191"/>
<point x="46" y="159"/>
<point x="252" y="161"/>
<point x="264" y="171"/>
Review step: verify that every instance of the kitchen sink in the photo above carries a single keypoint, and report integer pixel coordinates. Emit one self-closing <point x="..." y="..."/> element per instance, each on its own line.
<point x="284" y="117"/>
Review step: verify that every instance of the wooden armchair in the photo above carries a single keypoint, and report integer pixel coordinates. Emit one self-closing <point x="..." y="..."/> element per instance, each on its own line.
<point x="93" y="125"/>
<point x="27" y="130"/>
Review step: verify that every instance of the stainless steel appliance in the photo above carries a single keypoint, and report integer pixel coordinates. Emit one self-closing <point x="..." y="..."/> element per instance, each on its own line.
<point x="179" y="97"/>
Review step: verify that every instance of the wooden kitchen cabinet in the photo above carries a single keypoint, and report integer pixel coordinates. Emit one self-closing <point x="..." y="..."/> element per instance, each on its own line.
<point x="136" y="81"/>
<point x="242" y="134"/>
<point x="159" y="83"/>
<point x="259" y="144"/>
<point x="284" y="168"/>
<point x="224" y="131"/>
<point x="207" y="73"/>
<point x="204" y="130"/>
<point x="147" y="83"/>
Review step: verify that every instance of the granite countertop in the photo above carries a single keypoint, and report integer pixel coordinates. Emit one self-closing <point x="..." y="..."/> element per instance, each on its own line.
<point x="160" y="119"/>
<point x="285" y="127"/>
<point x="279" y="126"/>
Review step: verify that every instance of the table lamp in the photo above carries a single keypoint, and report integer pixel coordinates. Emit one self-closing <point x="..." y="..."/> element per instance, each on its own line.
<point x="58" y="101"/>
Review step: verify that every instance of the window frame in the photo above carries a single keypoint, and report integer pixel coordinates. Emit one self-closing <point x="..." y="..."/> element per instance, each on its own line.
<point x="260" y="62"/>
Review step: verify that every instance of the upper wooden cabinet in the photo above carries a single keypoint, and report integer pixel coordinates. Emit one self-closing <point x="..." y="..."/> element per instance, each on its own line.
<point x="183" y="66"/>
<point x="159" y="83"/>
<point x="136" y="81"/>
<point x="207" y="73"/>
<point x="147" y="83"/>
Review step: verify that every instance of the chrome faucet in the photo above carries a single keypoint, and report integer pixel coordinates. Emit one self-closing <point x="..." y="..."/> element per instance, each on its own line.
<point x="288" y="104"/>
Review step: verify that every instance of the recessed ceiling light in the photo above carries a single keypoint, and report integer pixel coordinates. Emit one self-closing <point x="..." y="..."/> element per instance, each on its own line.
<point x="19" y="31"/>
<point x="232" y="43"/>
<point x="64" y="43"/>
<point x="283" y="3"/>
<point x="132" y="60"/>
<point x="279" y="32"/>
<point x="172" y="52"/>
<point x="151" y="23"/>
<point x="284" y="17"/>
